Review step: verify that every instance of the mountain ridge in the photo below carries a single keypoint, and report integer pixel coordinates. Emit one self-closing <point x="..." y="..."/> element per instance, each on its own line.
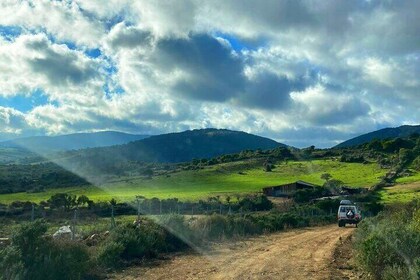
<point x="184" y="146"/>
<point x="381" y="134"/>
<point x="74" y="141"/>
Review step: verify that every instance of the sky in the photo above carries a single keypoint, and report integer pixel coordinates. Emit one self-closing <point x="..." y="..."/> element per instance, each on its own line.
<point x="301" y="72"/>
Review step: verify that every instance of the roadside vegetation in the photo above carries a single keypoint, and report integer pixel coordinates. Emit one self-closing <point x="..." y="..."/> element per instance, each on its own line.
<point x="33" y="254"/>
<point x="388" y="245"/>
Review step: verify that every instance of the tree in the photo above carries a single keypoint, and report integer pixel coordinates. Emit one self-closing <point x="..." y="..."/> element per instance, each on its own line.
<point x="416" y="163"/>
<point x="62" y="200"/>
<point x="113" y="202"/>
<point x="326" y="177"/>
<point x="268" y="168"/>
<point x="82" y="200"/>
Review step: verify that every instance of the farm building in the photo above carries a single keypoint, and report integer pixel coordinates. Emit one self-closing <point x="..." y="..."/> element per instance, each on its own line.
<point x="287" y="189"/>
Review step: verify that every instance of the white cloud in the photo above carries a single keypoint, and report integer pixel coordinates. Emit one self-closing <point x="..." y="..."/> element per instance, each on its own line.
<point x="64" y="19"/>
<point x="276" y="68"/>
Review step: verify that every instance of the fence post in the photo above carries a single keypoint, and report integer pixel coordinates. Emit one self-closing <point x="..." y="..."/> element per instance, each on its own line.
<point x="112" y="217"/>
<point x="138" y="209"/>
<point x="73" y="227"/>
<point x="33" y="213"/>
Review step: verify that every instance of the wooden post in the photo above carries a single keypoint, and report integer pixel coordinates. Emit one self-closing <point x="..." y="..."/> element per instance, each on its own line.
<point x="138" y="209"/>
<point x="33" y="213"/>
<point x="112" y="217"/>
<point x="73" y="227"/>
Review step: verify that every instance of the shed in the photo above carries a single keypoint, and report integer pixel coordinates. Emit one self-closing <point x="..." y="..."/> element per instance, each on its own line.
<point x="287" y="190"/>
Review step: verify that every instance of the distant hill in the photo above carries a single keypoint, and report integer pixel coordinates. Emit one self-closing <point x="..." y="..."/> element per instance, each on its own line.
<point x="183" y="146"/>
<point x="394" y="132"/>
<point x="47" y="144"/>
<point x="18" y="156"/>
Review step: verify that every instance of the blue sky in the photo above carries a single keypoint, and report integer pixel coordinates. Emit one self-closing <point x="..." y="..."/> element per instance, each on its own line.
<point x="301" y="72"/>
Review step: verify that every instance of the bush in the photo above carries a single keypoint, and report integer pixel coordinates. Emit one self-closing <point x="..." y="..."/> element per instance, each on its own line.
<point x="389" y="244"/>
<point x="109" y="255"/>
<point x="128" y="242"/>
<point x="255" y="203"/>
<point x="178" y="234"/>
<point x="306" y="195"/>
<point x="213" y="227"/>
<point x="33" y="256"/>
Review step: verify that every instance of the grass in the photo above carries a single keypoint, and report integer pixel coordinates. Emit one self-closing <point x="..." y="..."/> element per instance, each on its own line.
<point x="400" y="193"/>
<point x="410" y="179"/>
<point x="222" y="179"/>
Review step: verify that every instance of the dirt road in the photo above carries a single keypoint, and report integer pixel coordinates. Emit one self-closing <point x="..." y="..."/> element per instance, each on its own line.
<point x="296" y="254"/>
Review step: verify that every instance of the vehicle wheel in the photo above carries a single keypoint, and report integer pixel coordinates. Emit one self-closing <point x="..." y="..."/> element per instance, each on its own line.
<point x="340" y="224"/>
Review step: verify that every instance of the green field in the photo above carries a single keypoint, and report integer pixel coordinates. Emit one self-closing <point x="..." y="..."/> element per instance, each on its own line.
<point x="400" y="193"/>
<point x="410" y="179"/>
<point x="221" y="180"/>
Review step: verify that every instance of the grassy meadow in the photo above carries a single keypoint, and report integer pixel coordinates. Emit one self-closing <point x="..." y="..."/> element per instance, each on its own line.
<point x="400" y="193"/>
<point x="222" y="179"/>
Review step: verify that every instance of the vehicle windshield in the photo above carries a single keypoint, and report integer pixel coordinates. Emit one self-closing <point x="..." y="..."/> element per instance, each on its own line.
<point x="221" y="139"/>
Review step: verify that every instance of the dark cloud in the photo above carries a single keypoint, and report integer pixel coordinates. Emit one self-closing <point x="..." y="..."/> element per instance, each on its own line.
<point x="269" y="91"/>
<point x="340" y="113"/>
<point x="215" y="74"/>
<point x="129" y="37"/>
<point x="61" y="68"/>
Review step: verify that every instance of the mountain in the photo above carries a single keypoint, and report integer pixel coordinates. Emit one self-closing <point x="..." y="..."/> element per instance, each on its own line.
<point x="18" y="156"/>
<point x="47" y="144"/>
<point x="393" y="132"/>
<point x="182" y="147"/>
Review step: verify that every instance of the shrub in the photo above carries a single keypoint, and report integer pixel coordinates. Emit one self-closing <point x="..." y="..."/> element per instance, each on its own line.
<point x="109" y="255"/>
<point x="33" y="256"/>
<point x="213" y="227"/>
<point x="306" y="195"/>
<point x="389" y="244"/>
<point x="178" y="234"/>
<point x="128" y="242"/>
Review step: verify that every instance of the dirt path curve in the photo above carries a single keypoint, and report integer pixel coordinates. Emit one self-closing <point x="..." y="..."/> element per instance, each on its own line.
<point x="296" y="254"/>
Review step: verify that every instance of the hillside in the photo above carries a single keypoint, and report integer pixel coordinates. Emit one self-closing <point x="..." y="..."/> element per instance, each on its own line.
<point x="16" y="155"/>
<point x="182" y="146"/>
<point x="394" y="132"/>
<point x="46" y="144"/>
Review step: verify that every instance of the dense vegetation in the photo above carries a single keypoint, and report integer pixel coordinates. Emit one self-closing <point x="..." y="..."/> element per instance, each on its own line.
<point x="179" y="147"/>
<point x="36" y="178"/>
<point x="388" y="245"/>
<point x="382" y="134"/>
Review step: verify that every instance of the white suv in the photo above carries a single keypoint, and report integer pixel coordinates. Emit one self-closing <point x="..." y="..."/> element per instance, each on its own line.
<point x="348" y="213"/>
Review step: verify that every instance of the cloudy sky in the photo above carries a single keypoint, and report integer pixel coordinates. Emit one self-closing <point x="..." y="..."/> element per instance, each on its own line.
<point x="301" y="72"/>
